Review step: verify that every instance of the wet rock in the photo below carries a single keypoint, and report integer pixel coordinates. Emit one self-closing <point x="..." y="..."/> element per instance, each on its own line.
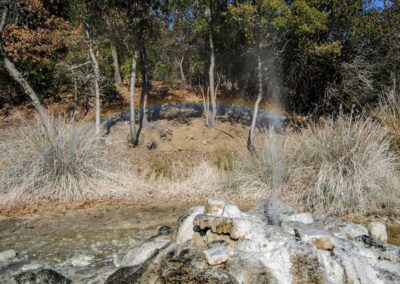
<point x="31" y="266"/>
<point x="219" y="255"/>
<point x="7" y="255"/>
<point x="45" y="276"/>
<point x="305" y="218"/>
<point x="81" y="260"/>
<point x="273" y="210"/>
<point x="377" y="230"/>
<point x="214" y="207"/>
<point x="238" y="247"/>
<point x="126" y="275"/>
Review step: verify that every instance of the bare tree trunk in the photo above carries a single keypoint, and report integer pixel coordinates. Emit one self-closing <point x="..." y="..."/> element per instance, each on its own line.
<point x="114" y="53"/>
<point x="17" y="76"/>
<point x="96" y="71"/>
<point x="132" y="99"/>
<point x="75" y="106"/>
<point x="180" y="63"/>
<point x="212" y="87"/>
<point x="251" y="137"/>
<point x="145" y="85"/>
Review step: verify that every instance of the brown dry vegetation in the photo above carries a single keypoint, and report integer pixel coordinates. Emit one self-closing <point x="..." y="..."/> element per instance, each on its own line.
<point x="337" y="165"/>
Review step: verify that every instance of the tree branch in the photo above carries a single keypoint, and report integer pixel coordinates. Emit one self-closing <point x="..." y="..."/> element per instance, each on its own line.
<point x="4" y="15"/>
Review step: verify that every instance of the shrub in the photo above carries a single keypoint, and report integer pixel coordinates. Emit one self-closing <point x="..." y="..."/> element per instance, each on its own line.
<point x="338" y="166"/>
<point x="74" y="164"/>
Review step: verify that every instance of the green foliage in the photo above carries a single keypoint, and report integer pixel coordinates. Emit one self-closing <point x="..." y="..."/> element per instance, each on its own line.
<point x="319" y="52"/>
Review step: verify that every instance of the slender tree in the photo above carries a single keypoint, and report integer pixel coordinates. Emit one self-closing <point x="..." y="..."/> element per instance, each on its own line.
<point x="132" y="99"/>
<point x="260" y="22"/>
<point x="11" y="37"/>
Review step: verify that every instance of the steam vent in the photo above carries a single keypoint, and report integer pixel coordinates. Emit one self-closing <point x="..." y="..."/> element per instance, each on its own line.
<point x="218" y="243"/>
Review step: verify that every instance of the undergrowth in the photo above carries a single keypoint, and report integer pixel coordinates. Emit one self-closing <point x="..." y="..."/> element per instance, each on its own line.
<point x="338" y="166"/>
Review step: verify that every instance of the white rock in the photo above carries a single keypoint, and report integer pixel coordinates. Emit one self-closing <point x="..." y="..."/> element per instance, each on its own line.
<point x="233" y="211"/>
<point x="141" y="254"/>
<point x="81" y="260"/>
<point x="219" y="255"/>
<point x="377" y="231"/>
<point x="214" y="207"/>
<point x="185" y="231"/>
<point x="7" y="255"/>
<point x="350" y="231"/>
<point x="305" y="218"/>
<point x="31" y="266"/>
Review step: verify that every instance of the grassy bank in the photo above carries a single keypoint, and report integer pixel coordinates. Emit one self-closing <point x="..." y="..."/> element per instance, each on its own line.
<point x="341" y="166"/>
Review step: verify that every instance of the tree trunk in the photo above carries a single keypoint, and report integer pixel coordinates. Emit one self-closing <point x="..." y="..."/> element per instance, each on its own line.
<point x="213" y="115"/>
<point x="75" y="106"/>
<point x="96" y="71"/>
<point x="251" y="137"/>
<point x="17" y="76"/>
<point x="132" y="99"/>
<point x="180" y="63"/>
<point x="114" y="53"/>
<point x="145" y="85"/>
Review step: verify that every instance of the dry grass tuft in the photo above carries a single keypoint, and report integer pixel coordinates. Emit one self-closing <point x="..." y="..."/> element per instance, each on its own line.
<point x="339" y="166"/>
<point x="389" y="113"/>
<point x="77" y="165"/>
<point x="74" y="164"/>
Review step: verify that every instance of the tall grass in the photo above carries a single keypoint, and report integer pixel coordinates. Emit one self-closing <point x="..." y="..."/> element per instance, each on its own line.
<point x="389" y="113"/>
<point x="73" y="164"/>
<point x="77" y="165"/>
<point x="339" y="166"/>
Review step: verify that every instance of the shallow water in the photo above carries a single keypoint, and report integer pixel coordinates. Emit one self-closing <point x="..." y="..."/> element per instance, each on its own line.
<point x="85" y="245"/>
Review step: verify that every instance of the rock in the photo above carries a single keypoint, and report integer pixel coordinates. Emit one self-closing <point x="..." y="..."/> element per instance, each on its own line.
<point x="7" y="255"/>
<point x="165" y="230"/>
<point x="214" y="207"/>
<point x="185" y="230"/>
<point x="45" y="276"/>
<point x="126" y="275"/>
<point x="305" y="218"/>
<point x="323" y="242"/>
<point x="31" y="266"/>
<point x="237" y="247"/>
<point x="377" y="231"/>
<point x="235" y="228"/>
<point x="145" y="251"/>
<point x="272" y="210"/>
<point x="343" y="229"/>
<point x="189" y="266"/>
<point x="152" y="144"/>
<point x="81" y="260"/>
<point x="219" y="255"/>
